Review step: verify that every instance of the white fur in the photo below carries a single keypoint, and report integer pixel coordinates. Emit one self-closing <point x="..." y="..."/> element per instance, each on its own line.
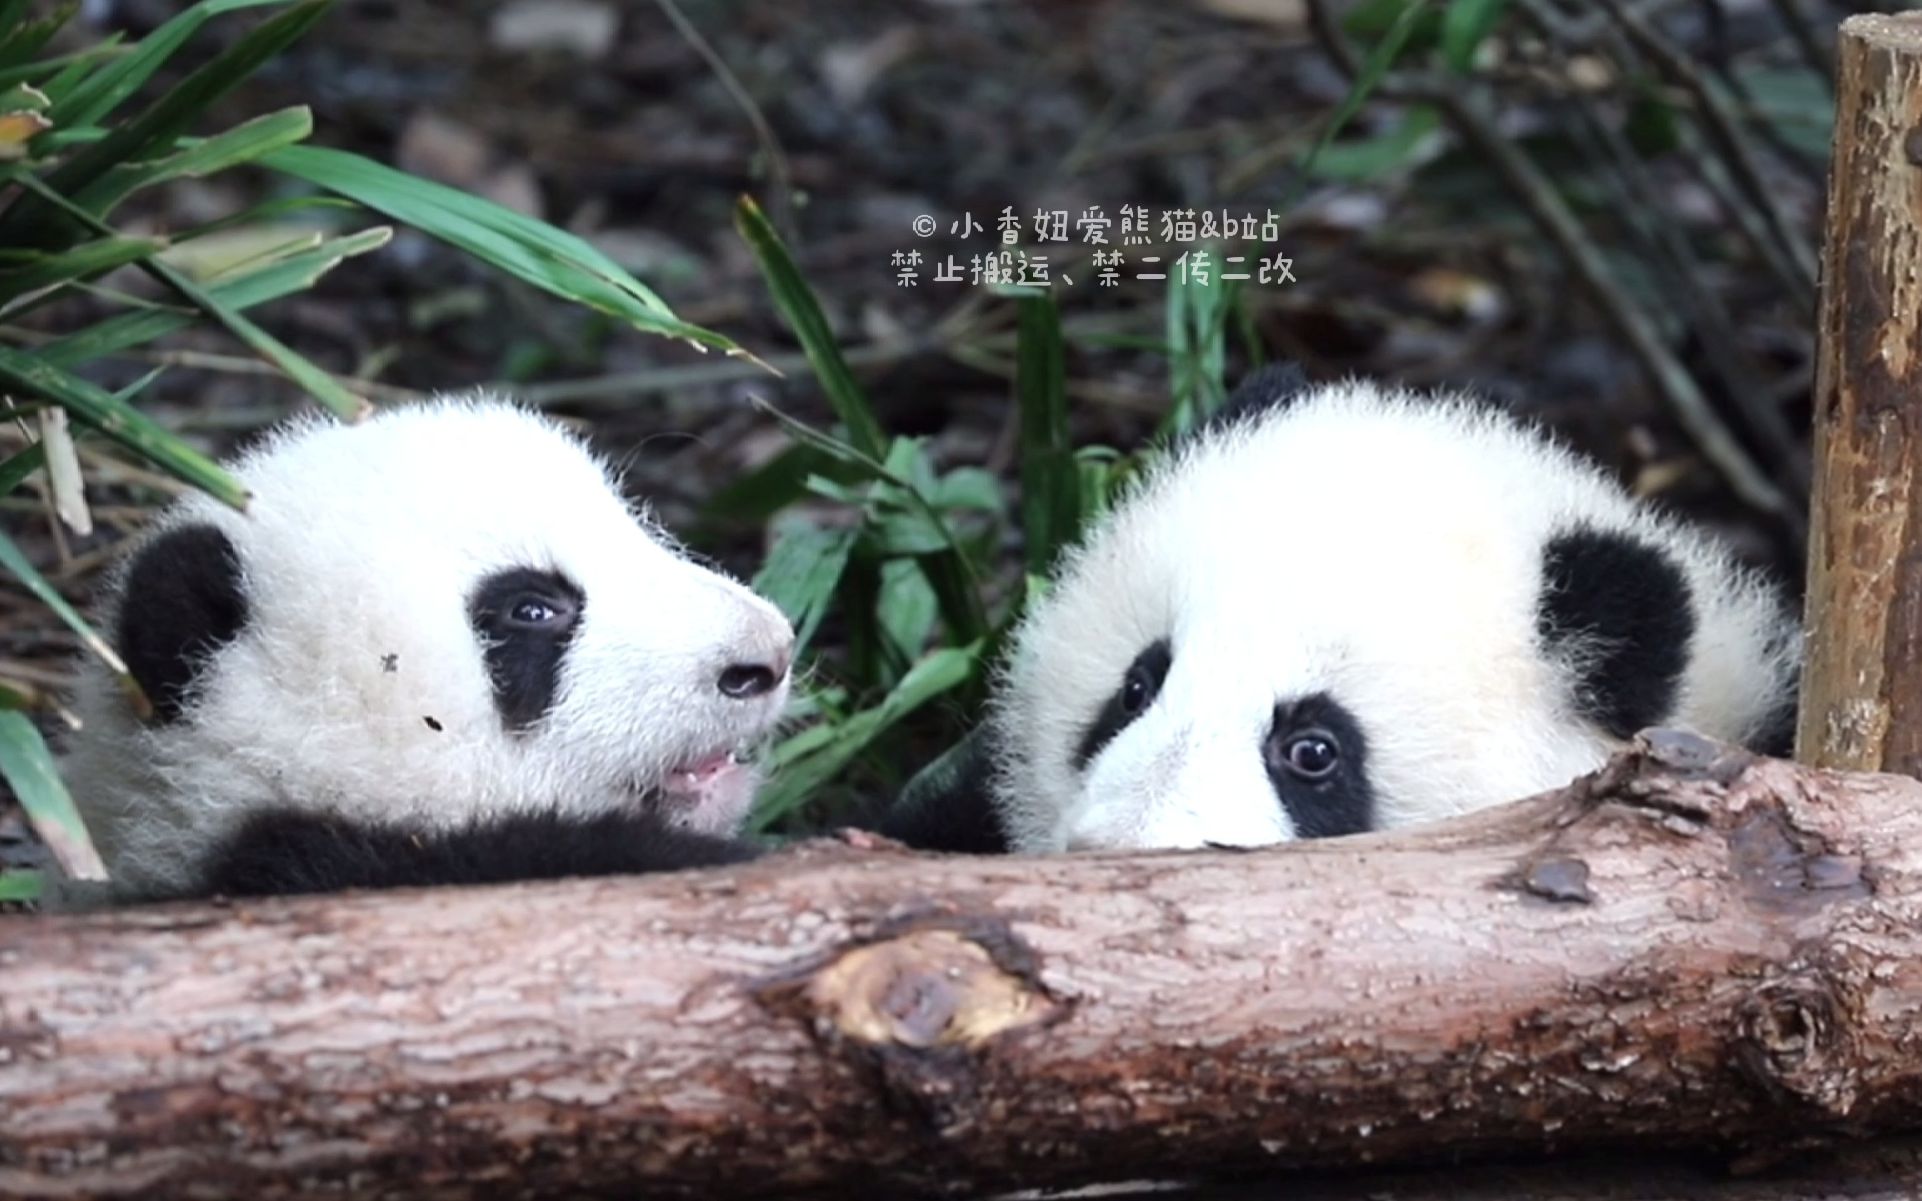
<point x="365" y="541"/>
<point x="1381" y="547"/>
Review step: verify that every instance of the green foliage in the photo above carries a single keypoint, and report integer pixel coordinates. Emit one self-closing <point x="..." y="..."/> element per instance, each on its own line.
<point x="910" y="564"/>
<point x="1404" y="26"/>
<point x="1198" y="314"/>
<point x="84" y="132"/>
<point x="803" y="314"/>
<point x="20" y="886"/>
<point x="1464" y="26"/>
<point x="27" y="766"/>
<point x="530" y="250"/>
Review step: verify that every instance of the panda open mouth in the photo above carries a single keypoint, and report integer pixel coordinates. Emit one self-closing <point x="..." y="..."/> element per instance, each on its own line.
<point x="711" y="793"/>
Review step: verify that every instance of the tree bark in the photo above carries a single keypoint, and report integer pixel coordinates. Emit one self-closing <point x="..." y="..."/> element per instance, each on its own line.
<point x="1862" y="687"/>
<point x="1692" y="950"/>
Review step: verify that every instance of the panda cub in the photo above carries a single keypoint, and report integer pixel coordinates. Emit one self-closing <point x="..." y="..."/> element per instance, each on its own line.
<point x="437" y="647"/>
<point x="1339" y="608"/>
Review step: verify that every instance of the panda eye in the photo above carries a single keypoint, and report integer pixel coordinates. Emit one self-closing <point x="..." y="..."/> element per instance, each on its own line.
<point x="1140" y="684"/>
<point x="522" y="603"/>
<point x="1138" y="689"/>
<point x="1312" y="754"/>
<point x="532" y="611"/>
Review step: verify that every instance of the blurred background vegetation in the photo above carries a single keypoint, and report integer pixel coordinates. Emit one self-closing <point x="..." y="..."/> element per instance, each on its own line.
<point x="1604" y="215"/>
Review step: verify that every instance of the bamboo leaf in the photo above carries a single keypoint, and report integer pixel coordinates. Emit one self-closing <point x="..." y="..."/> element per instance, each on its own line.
<point x="15" y="562"/>
<point x="803" y="313"/>
<point x="317" y="383"/>
<point x="1368" y="158"/>
<point x="243" y="143"/>
<point x="948" y="568"/>
<point x="15" y="470"/>
<point x="29" y="769"/>
<point x="118" y="420"/>
<point x="905" y="609"/>
<point x="1379" y="59"/>
<point x="24" y="39"/>
<point x="11" y="12"/>
<point x="32" y="222"/>
<point x="70" y="68"/>
<point x="936" y="673"/>
<point x="106" y="88"/>
<point x="533" y="251"/>
<point x="64" y="482"/>
<point x="801" y="574"/>
<point x="83" y="261"/>
<point x="1197" y="328"/>
<point x="269" y="281"/>
<point x="23" y="98"/>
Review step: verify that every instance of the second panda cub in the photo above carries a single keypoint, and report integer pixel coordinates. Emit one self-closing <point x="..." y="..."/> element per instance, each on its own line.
<point x="1340" y="608"/>
<point x="437" y="647"/>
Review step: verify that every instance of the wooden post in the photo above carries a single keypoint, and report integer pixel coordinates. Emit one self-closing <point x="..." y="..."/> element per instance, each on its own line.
<point x="1862" y="687"/>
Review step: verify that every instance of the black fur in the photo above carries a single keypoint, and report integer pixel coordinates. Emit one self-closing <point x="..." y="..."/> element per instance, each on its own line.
<point x="1776" y="738"/>
<point x="1776" y="735"/>
<point x="1150" y="668"/>
<point x="523" y="657"/>
<point x="1274" y="386"/>
<point x="1344" y="802"/>
<point x="949" y="806"/>
<point x="1621" y="610"/>
<point x="184" y="600"/>
<point x="280" y="851"/>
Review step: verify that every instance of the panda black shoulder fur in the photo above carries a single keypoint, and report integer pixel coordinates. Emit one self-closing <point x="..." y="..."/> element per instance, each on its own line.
<point x="1340" y="608"/>
<point x="437" y="647"/>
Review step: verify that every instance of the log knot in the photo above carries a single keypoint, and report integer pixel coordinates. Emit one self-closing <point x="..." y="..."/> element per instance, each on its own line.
<point x="1791" y="1033"/>
<point x="921" y="1004"/>
<point x="927" y="988"/>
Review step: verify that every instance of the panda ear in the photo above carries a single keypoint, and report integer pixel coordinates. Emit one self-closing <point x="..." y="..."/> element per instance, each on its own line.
<point x="182" y="600"/>
<point x="1264" y="390"/>
<point x="1617" y="611"/>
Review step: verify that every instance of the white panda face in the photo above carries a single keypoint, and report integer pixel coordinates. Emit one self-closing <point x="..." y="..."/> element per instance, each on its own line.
<point x="445" y="612"/>
<point x="1151" y="761"/>
<point x="1358" y="612"/>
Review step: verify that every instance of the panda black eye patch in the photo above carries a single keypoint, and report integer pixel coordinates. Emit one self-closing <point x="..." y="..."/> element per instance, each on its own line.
<point x="1317" y="762"/>
<point x="524" y="620"/>
<point x="1139" y="686"/>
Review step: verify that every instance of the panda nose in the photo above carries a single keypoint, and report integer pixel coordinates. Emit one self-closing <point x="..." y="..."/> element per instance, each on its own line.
<point x="762" y="657"/>
<point x="745" y="681"/>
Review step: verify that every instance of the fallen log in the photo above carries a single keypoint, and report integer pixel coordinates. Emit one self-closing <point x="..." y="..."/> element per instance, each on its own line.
<point x="1691" y="950"/>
